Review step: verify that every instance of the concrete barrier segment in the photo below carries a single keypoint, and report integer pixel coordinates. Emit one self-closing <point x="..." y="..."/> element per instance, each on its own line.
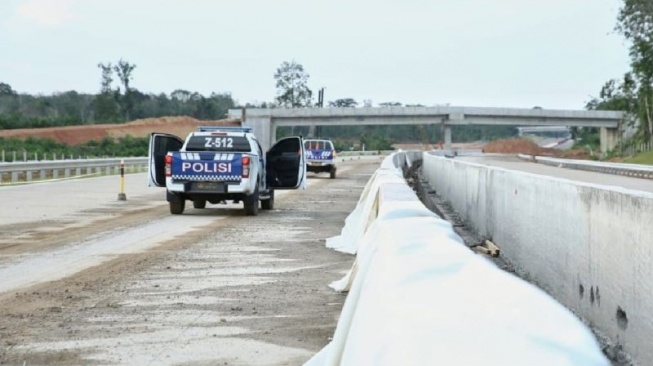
<point x="587" y="244"/>
<point x="418" y="296"/>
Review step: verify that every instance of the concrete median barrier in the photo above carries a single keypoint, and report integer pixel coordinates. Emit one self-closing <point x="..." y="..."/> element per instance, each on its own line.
<point x="587" y="245"/>
<point x="418" y="296"/>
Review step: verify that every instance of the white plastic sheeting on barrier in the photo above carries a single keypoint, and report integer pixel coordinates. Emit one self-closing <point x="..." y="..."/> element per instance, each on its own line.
<point x="357" y="221"/>
<point x="418" y="296"/>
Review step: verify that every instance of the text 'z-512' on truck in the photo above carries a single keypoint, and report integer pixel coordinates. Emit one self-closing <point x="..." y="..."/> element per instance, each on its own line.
<point x="216" y="164"/>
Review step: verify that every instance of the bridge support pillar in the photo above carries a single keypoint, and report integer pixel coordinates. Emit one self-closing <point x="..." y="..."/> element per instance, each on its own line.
<point x="610" y="137"/>
<point x="264" y="130"/>
<point x="447" y="138"/>
<point x="453" y="117"/>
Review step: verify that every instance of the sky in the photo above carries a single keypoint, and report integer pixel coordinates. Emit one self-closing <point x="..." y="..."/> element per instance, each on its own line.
<point x="555" y="54"/>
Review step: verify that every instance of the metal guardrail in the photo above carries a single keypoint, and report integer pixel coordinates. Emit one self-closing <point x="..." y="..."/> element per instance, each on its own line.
<point x="630" y="170"/>
<point x="21" y="172"/>
<point x="364" y="153"/>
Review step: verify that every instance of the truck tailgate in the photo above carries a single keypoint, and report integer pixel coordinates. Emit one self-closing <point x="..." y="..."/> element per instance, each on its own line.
<point x="206" y="166"/>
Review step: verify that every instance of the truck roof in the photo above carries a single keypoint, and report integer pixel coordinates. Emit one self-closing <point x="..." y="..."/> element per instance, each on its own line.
<point x="244" y="129"/>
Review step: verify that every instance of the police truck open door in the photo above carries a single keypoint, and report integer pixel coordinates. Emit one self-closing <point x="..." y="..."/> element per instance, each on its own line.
<point x="160" y="145"/>
<point x="286" y="164"/>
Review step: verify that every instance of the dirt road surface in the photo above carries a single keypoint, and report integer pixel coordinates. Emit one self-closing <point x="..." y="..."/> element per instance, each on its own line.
<point x="89" y="280"/>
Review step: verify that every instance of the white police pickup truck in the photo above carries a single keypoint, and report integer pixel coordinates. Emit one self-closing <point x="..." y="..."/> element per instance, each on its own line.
<point x="320" y="156"/>
<point x="216" y="164"/>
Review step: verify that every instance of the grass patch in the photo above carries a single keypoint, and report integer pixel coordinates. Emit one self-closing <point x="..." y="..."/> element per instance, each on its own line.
<point x="642" y="158"/>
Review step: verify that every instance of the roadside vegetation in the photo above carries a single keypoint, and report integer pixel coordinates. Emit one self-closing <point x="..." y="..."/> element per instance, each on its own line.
<point x="641" y="158"/>
<point x="46" y="149"/>
<point x="633" y="92"/>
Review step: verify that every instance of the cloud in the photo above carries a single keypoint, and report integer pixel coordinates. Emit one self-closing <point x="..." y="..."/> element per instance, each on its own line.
<point x="47" y="13"/>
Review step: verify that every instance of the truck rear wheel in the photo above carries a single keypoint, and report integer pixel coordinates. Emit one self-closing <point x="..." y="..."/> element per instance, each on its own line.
<point x="269" y="203"/>
<point x="199" y="203"/>
<point x="177" y="207"/>
<point x="250" y="204"/>
<point x="332" y="173"/>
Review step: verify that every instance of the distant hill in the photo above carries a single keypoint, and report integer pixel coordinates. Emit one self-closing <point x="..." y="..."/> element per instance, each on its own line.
<point x="73" y="135"/>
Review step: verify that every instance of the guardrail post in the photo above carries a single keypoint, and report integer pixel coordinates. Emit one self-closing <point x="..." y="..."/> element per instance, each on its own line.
<point x="122" y="196"/>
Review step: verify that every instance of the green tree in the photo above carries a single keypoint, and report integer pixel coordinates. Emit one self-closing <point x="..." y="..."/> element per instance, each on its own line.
<point x="105" y="105"/>
<point x="390" y="104"/>
<point x="5" y="89"/>
<point x="292" y="88"/>
<point x="343" y="102"/>
<point x="124" y="71"/>
<point x="635" y="22"/>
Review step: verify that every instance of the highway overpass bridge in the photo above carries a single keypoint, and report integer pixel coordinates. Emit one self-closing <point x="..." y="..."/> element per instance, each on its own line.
<point x="265" y="121"/>
<point x="539" y="130"/>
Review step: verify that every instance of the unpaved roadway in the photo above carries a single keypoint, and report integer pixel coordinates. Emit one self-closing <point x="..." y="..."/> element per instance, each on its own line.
<point x="89" y="280"/>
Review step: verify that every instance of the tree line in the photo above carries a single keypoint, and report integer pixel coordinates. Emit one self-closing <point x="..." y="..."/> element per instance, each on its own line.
<point x="115" y="103"/>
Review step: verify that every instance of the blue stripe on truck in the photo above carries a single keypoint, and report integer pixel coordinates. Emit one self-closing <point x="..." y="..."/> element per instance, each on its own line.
<point x="207" y="166"/>
<point x="319" y="155"/>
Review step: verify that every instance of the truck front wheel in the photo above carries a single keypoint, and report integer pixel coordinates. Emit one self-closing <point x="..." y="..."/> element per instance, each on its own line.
<point x="177" y="207"/>
<point x="250" y="203"/>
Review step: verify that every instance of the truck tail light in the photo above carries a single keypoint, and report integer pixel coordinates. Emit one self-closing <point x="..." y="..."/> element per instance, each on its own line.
<point x="333" y="153"/>
<point x="245" y="166"/>
<point x="168" y="161"/>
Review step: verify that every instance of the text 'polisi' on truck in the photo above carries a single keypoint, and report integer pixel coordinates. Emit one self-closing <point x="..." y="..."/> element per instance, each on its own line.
<point x="215" y="164"/>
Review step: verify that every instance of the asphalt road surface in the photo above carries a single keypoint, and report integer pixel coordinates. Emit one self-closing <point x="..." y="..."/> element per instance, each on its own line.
<point x="514" y="163"/>
<point x="88" y="279"/>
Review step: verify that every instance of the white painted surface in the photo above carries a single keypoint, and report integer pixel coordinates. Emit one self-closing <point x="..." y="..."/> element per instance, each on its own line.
<point x="418" y="296"/>
<point x="588" y="245"/>
<point x="358" y="220"/>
